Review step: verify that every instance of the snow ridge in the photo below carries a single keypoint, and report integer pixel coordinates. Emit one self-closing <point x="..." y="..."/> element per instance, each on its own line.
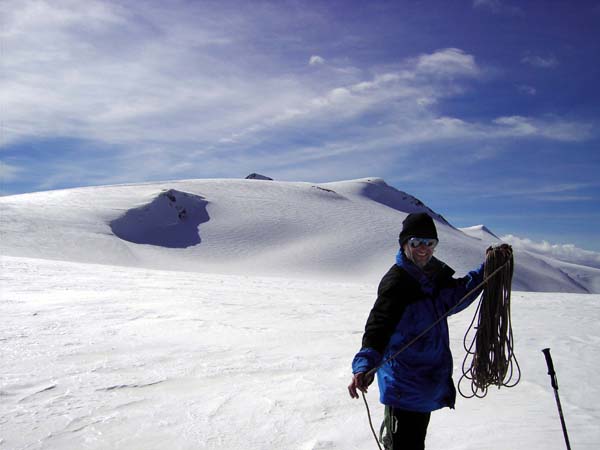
<point x="480" y="232"/>
<point x="344" y="230"/>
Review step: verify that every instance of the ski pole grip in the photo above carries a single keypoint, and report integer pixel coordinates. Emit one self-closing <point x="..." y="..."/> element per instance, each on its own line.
<point x="550" y="365"/>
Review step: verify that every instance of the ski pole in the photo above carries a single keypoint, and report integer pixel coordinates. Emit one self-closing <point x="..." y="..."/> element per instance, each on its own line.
<point x="554" y="383"/>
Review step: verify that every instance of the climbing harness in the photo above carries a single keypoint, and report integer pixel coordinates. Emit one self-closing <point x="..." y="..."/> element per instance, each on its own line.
<point x="491" y="352"/>
<point x="494" y="265"/>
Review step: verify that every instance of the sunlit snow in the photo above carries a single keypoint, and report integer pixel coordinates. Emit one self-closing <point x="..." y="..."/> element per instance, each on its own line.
<point x="243" y="339"/>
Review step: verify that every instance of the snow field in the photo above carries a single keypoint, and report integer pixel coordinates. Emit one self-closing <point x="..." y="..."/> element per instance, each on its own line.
<point x="98" y="357"/>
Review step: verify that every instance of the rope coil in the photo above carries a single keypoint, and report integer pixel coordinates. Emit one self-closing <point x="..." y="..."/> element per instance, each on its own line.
<point x="491" y="350"/>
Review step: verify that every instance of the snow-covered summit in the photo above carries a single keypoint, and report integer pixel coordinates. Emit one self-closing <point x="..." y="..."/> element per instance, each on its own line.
<point x="480" y="232"/>
<point x="378" y="190"/>
<point x="258" y="176"/>
<point x="344" y="230"/>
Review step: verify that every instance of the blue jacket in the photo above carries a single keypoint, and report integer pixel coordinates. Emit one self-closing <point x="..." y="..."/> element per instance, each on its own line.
<point x="409" y="300"/>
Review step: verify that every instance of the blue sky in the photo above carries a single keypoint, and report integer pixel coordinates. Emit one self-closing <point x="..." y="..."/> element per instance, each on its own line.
<point x="487" y="110"/>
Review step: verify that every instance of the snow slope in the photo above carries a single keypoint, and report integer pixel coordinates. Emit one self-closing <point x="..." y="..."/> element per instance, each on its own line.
<point x="336" y="231"/>
<point x="107" y="357"/>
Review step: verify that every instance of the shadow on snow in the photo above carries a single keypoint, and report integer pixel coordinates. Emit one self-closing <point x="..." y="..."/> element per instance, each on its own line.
<point x="170" y="220"/>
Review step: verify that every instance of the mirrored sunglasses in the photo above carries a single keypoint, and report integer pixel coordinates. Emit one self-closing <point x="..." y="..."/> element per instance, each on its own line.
<point x="414" y="242"/>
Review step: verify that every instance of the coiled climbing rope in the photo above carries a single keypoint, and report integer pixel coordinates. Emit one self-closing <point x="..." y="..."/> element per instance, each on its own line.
<point x="490" y="358"/>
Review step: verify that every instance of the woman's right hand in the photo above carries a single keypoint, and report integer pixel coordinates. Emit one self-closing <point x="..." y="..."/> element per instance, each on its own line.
<point x="360" y="381"/>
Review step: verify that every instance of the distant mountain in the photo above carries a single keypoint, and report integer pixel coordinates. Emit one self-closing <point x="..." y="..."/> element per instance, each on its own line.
<point x="345" y="231"/>
<point x="480" y="232"/>
<point x="258" y="176"/>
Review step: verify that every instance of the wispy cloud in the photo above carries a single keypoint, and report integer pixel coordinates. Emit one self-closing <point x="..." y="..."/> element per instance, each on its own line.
<point x="540" y="62"/>
<point x="447" y="62"/>
<point x="564" y="198"/>
<point x="550" y="128"/>
<point x="525" y="89"/>
<point x="9" y="172"/>
<point x="169" y="92"/>
<point x="497" y="7"/>
<point x="186" y="79"/>
<point x="532" y="189"/>
<point x="316" y="60"/>
<point x="102" y="71"/>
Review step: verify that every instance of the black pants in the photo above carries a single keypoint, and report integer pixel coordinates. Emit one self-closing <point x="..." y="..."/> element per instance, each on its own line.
<point x="404" y="430"/>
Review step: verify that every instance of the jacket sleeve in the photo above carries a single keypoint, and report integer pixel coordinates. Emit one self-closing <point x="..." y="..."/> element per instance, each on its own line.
<point x="365" y="360"/>
<point x="382" y="321"/>
<point x="459" y="288"/>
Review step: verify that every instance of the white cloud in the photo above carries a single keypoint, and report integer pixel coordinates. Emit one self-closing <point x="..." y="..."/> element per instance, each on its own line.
<point x="549" y="62"/>
<point x="426" y="101"/>
<point x="525" y="89"/>
<point x="564" y="252"/>
<point x="377" y="82"/>
<point x="485" y="3"/>
<point x="448" y="62"/>
<point x="517" y="125"/>
<point x="549" y="128"/>
<point x="316" y="60"/>
<point x="126" y="80"/>
<point x="497" y="7"/>
<point x="541" y="191"/>
<point x="194" y="84"/>
<point x="100" y="71"/>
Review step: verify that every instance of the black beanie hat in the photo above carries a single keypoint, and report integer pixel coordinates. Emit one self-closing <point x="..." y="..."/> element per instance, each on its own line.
<point x="417" y="225"/>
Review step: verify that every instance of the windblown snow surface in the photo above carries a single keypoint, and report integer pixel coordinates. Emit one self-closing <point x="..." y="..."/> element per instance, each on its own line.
<point x="224" y="314"/>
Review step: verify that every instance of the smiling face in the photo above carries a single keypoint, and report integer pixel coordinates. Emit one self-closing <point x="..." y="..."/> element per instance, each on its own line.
<point x="419" y="255"/>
